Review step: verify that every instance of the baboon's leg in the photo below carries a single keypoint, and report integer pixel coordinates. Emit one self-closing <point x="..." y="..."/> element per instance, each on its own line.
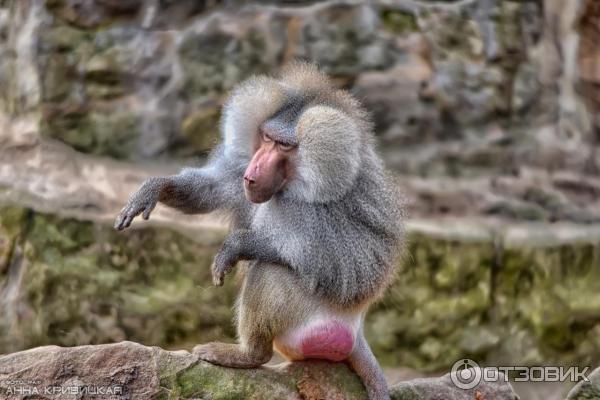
<point x="263" y="309"/>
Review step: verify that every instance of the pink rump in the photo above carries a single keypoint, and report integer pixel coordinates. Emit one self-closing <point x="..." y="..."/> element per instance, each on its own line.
<point x="329" y="340"/>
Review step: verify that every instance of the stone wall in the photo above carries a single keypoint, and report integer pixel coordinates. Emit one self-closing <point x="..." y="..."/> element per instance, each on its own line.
<point x="485" y="83"/>
<point x="483" y="95"/>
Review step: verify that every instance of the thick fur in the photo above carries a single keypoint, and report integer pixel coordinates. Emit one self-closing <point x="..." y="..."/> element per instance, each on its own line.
<point x="338" y="222"/>
<point x="326" y="244"/>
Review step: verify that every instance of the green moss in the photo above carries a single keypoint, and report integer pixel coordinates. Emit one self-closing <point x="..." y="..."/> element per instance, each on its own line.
<point x="399" y="22"/>
<point x="441" y="289"/>
<point x="406" y="393"/>
<point x="12" y="221"/>
<point x="458" y="298"/>
<point x="108" y="66"/>
<point x="202" y="380"/>
<point x="49" y="236"/>
<point x="552" y="292"/>
<point x="64" y="38"/>
<point x="69" y="128"/>
<point x="115" y="134"/>
<point x="586" y="391"/>
<point x="105" y="92"/>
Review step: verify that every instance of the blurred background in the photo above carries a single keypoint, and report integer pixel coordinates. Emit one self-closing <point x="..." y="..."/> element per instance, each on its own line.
<point x="485" y="109"/>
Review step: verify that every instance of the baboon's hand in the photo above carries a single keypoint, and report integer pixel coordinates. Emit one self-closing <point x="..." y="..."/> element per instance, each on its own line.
<point x="226" y="258"/>
<point x="141" y="202"/>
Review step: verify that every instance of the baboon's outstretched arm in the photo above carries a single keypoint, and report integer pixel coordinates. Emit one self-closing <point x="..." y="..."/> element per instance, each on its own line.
<point x="193" y="191"/>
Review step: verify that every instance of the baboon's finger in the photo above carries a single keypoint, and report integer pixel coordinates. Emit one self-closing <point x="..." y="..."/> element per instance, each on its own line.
<point x="147" y="211"/>
<point x="119" y="221"/>
<point x="128" y="220"/>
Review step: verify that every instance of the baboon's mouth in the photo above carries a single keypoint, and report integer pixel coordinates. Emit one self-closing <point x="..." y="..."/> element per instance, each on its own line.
<point x="258" y="195"/>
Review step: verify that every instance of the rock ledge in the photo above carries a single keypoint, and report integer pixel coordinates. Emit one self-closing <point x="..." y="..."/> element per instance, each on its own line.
<point x="129" y="370"/>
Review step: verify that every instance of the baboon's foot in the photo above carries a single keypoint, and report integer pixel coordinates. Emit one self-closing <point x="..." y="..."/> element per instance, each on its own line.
<point x="231" y="355"/>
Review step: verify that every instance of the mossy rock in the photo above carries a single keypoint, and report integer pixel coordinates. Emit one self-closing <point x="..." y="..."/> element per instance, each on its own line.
<point x="58" y="78"/>
<point x="438" y="303"/>
<point x="114" y="134"/>
<point x="344" y="40"/>
<point x="552" y="293"/>
<point x="399" y="22"/>
<point x="214" y="62"/>
<point x="532" y="300"/>
<point x="517" y="210"/>
<point x="86" y="283"/>
<point x="92" y="14"/>
<point x="108" y="67"/>
<point x="455" y="295"/>
<point x="13" y="221"/>
<point x="587" y="390"/>
<point x="131" y="370"/>
<point x="64" y="38"/>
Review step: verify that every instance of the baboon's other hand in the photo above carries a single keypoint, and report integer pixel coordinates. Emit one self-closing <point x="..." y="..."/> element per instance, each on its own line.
<point x="226" y="259"/>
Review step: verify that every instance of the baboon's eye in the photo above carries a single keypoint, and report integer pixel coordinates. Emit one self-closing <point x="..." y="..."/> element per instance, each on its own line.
<point x="285" y="146"/>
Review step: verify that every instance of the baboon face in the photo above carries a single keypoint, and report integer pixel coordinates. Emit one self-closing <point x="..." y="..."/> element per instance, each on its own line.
<point x="272" y="165"/>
